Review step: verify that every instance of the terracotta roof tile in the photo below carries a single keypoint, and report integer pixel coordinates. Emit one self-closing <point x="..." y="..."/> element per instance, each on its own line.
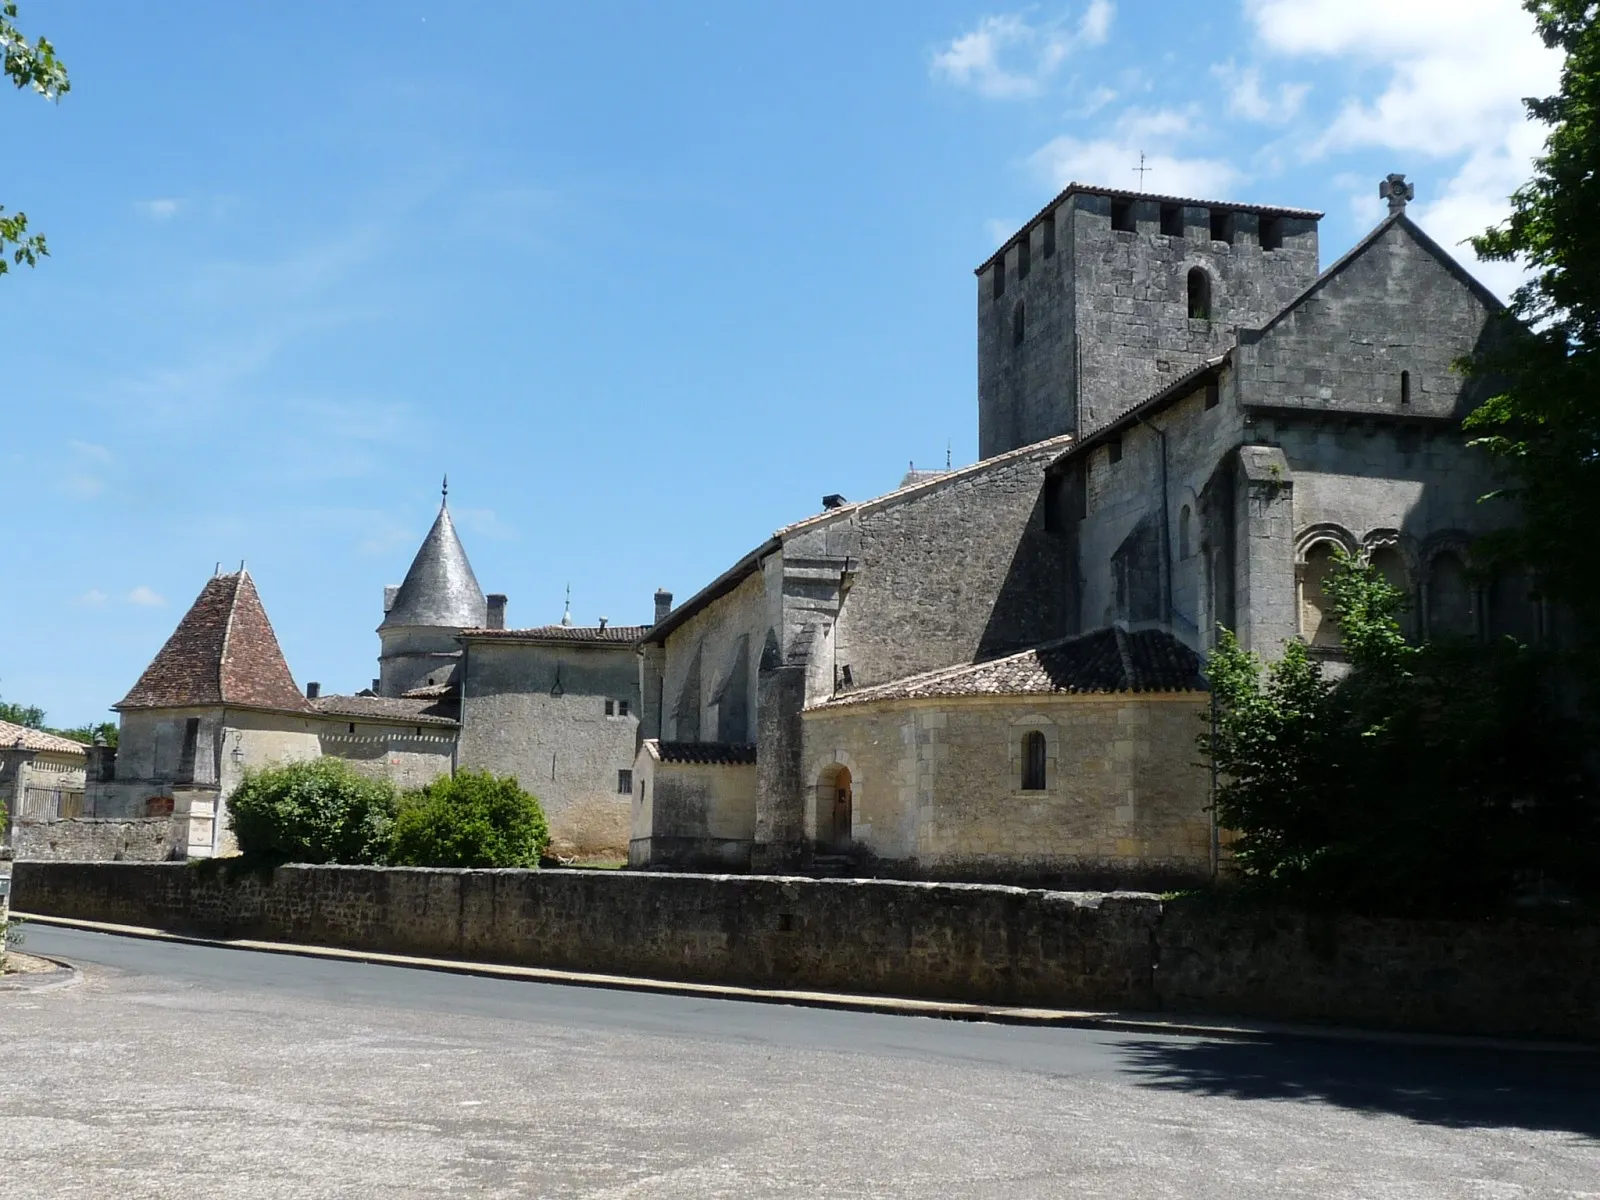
<point x="1108" y="660"/>
<point x="36" y="739"/>
<point x="398" y="709"/>
<point x="623" y="634"/>
<point x="223" y="652"/>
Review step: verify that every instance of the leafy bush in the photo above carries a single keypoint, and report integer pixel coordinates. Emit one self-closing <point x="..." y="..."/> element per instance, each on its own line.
<point x="1443" y="778"/>
<point x="319" y="811"/>
<point x="472" y="820"/>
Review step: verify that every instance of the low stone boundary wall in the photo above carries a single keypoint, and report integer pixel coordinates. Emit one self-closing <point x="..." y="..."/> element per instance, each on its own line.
<point x="131" y="839"/>
<point x="973" y="942"/>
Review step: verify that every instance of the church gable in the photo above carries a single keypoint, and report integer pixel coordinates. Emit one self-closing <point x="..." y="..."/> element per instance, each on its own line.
<point x="1379" y="332"/>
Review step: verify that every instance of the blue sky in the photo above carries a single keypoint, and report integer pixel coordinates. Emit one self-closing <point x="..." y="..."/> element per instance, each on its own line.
<point x="646" y="279"/>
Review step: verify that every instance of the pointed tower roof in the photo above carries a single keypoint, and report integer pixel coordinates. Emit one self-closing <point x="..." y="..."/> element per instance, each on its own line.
<point x="223" y="652"/>
<point x="440" y="588"/>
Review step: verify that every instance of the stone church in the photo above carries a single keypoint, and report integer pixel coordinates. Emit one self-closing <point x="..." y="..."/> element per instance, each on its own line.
<point x="997" y="672"/>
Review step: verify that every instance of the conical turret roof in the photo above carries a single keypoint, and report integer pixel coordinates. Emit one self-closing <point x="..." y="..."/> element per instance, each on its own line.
<point x="223" y="652"/>
<point x="440" y="588"/>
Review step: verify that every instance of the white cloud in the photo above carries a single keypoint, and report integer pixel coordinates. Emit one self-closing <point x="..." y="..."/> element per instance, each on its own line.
<point x="1007" y="57"/>
<point x="145" y="597"/>
<point x="1452" y="80"/>
<point x="1247" y="99"/>
<point x="1111" y="161"/>
<point x="159" y="210"/>
<point x="93" y="598"/>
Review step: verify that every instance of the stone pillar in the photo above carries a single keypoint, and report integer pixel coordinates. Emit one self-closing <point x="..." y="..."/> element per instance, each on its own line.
<point x="1264" y="551"/>
<point x="780" y="811"/>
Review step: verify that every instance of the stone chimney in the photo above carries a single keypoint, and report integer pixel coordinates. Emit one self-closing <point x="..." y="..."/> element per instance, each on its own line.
<point x="833" y="500"/>
<point x="603" y="621"/>
<point x="313" y="690"/>
<point x="389" y="593"/>
<point x="497" y="610"/>
<point x="663" y="604"/>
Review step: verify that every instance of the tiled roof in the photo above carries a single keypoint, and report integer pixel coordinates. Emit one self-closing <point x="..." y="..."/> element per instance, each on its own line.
<point x="440" y="589"/>
<point x="615" y="634"/>
<point x="1265" y="210"/>
<point x="36" y="739"/>
<point x="223" y="652"/>
<point x="716" y="754"/>
<point x="433" y="691"/>
<point x="1108" y="660"/>
<point x="396" y="709"/>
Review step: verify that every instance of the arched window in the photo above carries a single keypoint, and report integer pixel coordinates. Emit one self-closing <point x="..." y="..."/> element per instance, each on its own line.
<point x="1317" y="623"/>
<point x="1185" y="532"/>
<point x="1405" y="387"/>
<point x="1392" y="566"/>
<point x="1451" y="608"/>
<point x="1033" y="761"/>
<point x="1199" y="295"/>
<point x="1017" y="325"/>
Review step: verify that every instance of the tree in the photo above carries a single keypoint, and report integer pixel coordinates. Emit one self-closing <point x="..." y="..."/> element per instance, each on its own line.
<point x="29" y="715"/>
<point x="473" y="819"/>
<point x="28" y="65"/>
<point x="318" y="811"/>
<point x="1441" y="778"/>
<point x="106" y="731"/>
<point x="1545" y="422"/>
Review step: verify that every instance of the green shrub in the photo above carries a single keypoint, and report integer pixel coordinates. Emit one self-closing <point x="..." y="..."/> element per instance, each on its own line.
<point x="320" y="811"/>
<point x="472" y="820"/>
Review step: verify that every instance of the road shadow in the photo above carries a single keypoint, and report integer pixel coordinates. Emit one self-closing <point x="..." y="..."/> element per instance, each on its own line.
<point x="1457" y="1088"/>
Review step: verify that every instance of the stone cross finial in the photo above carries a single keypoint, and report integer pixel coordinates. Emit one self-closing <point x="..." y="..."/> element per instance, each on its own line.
<point x="1397" y="191"/>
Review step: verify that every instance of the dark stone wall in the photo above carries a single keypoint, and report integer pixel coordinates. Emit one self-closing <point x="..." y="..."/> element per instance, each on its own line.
<point x="981" y="943"/>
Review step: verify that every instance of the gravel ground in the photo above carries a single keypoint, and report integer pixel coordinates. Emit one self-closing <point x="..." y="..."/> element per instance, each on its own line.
<point x="179" y="1071"/>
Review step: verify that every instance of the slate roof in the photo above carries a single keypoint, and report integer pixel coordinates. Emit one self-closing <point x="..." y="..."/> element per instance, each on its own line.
<point x="611" y="634"/>
<point x="1265" y="210"/>
<point x="440" y="589"/>
<point x="397" y="709"/>
<point x="222" y="652"/>
<point x="37" y="739"/>
<point x="1106" y="661"/>
<point x="715" y="754"/>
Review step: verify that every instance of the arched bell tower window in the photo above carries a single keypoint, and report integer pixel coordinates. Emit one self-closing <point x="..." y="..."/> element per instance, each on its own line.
<point x="1199" y="295"/>
<point x="1033" y="761"/>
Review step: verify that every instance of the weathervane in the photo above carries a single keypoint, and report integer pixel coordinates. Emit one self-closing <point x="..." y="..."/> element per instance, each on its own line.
<point x="1141" y="170"/>
<point x="444" y="491"/>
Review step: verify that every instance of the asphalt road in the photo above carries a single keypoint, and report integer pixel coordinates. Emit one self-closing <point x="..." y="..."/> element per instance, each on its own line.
<point x="179" y="1071"/>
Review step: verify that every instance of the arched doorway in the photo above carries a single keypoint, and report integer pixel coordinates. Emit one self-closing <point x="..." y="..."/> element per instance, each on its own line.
<point x="835" y="806"/>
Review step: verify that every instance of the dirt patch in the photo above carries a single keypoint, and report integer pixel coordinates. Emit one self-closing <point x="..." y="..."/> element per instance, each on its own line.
<point x="18" y="963"/>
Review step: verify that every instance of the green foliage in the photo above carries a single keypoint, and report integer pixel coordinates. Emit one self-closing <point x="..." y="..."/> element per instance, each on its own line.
<point x="1545" y="423"/>
<point x="105" y="730"/>
<point x="30" y="716"/>
<point x="320" y="811"/>
<point x="28" y="65"/>
<point x="1436" y="778"/>
<point x="472" y="820"/>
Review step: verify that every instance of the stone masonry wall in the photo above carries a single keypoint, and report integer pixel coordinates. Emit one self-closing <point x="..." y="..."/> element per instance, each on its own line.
<point x="137" y="839"/>
<point x="987" y="944"/>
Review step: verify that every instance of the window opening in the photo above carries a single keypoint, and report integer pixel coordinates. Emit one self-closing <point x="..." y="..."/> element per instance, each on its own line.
<point x="1024" y="255"/>
<point x="1114" y="450"/>
<point x="1172" y="220"/>
<point x="1050" y="235"/>
<point x="1199" y="295"/>
<point x="1405" y="387"/>
<point x="1213" y="394"/>
<point x="622" y="708"/>
<point x="999" y="276"/>
<point x="611" y="708"/>
<point x="352" y="726"/>
<point x="1221" y="226"/>
<point x="1272" y="233"/>
<point x="1033" y="761"/>
<point x="1018" y="326"/>
<point x="1122" y="215"/>
<point x="624" y="783"/>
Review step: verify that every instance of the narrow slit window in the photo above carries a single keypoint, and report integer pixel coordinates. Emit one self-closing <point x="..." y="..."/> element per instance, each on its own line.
<point x="1018" y="325"/>
<point x="1025" y="256"/>
<point x="1033" y="761"/>
<point x="1213" y="394"/>
<point x="1199" y="295"/>
<point x="1114" y="450"/>
<point x="1050" y="235"/>
<point x="1272" y="233"/>
<point x="1122" y="215"/>
<point x="1405" y="387"/>
<point x="1172" y="220"/>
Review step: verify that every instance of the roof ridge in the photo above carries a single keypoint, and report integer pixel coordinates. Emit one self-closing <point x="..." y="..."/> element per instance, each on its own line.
<point x="227" y="633"/>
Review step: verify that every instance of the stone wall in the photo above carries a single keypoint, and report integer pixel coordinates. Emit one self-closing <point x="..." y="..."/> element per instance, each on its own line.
<point x="692" y="814"/>
<point x="139" y="839"/>
<point x="937" y="787"/>
<point x="538" y="712"/>
<point x="987" y="944"/>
